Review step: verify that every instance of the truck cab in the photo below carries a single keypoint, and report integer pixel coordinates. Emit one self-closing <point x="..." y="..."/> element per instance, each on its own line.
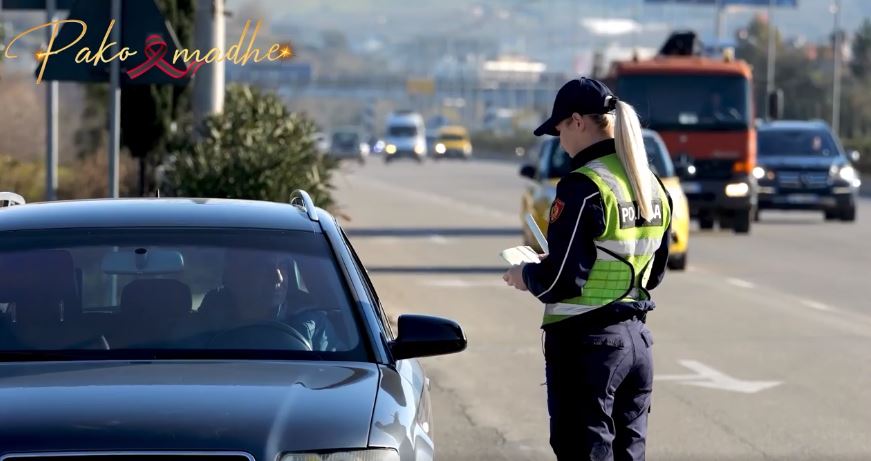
<point x="702" y="107"/>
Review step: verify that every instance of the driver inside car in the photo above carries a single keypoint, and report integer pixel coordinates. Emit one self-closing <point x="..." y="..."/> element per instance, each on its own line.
<point x="257" y="288"/>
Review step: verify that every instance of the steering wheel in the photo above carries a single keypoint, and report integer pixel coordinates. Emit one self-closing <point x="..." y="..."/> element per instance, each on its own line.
<point x="261" y="335"/>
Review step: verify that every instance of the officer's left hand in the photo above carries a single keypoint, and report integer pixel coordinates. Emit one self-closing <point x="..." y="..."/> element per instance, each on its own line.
<point x="514" y="277"/>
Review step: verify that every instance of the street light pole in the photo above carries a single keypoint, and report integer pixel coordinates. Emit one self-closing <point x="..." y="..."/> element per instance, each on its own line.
<point x="51" y="115"/>
<point x="115" y="103"/>
<point x="836" y="87"/>
<point x="772" y="50"/>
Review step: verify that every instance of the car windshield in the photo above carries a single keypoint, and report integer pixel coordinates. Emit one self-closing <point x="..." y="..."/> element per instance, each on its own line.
<point x="402" y="130"/>
<point x="813" y="142"/>
<point x="171" y="293"/>
<point x="689" y="103"/>
<point x="346" y="138"/>
<point x="658" y="157"/>
<point x="560" y="162"/>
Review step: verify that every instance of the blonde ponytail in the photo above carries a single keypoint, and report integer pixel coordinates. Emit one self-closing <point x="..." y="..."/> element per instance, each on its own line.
<point x="633" y="156"/>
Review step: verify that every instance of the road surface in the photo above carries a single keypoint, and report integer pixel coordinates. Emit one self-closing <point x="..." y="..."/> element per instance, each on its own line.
<point x="762" y="347"/>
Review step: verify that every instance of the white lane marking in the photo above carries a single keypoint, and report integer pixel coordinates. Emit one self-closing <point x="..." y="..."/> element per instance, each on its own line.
<point x="740" y="283"/>
<point x="810" y="303"/>
<point x="706" y="376"/>
<point x="816" y="305"/>
<point x="459" y="283"/>
<point x="439" y="239"/>
<point x="440" y="200"/>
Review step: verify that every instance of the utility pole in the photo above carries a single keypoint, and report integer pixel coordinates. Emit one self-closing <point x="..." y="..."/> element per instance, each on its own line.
<point x="208" y="98"/>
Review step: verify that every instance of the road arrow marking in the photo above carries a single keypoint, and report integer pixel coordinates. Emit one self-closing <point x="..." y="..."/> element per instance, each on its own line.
<point x="705" y="376"/>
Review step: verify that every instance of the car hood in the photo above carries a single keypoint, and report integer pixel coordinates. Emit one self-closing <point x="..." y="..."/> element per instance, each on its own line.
<point x="262" y="408"/>
<point x="798" y="162"/>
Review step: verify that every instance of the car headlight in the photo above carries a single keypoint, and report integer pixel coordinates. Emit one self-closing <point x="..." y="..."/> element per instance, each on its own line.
<point x="848" y="174"/>
<point x="467" y="149"/>
<point x="419" y="149"/>
<point x="364" y="148"/>
<point x="356" y="455"/>
<point x="390" y="149"/>
<point x="758" y="172"/>
<point x="440" y="148"/>
<point x="737" y="189"/>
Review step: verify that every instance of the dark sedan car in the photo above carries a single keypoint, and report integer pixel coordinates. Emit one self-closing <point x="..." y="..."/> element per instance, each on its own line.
<point x="202" y="330"/>
<point x="801" y="166"/>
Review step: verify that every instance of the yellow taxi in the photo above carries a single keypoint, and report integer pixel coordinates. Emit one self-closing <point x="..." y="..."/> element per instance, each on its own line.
<point x="553" y="163"/>
<point x="452" y="141"/>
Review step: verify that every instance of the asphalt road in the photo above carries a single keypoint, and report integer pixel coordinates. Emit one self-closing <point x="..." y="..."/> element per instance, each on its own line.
<point x="762" y="347"/>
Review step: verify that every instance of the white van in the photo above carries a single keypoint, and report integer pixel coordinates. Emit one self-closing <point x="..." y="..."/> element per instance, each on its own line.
<point x="405" y="136"/>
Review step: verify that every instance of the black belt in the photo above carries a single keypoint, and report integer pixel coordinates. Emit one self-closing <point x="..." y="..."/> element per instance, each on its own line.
<point x="598" y="319"/>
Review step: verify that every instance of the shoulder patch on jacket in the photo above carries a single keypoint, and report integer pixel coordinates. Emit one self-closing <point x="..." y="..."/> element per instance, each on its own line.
<point x="556" y="209"/>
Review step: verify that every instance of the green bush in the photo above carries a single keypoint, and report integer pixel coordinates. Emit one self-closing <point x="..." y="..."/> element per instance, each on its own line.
<point x="256" y="149"/>
<point x="22" y="177"/>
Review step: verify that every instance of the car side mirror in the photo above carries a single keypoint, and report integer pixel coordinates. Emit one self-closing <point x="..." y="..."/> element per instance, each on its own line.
<point x="855" y="156"/>
<point x="424" y="336"/>
<point x="528" y="171"/>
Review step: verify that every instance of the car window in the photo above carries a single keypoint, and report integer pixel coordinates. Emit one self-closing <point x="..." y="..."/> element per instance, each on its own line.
<point x="370" y="288"/>
<point x="559" y="164"/>
<point x="658" y="157"/>
<point x="544" y="151"/>
<point x="402" y="130"/>
<point x="804" y="142"/>
<point x="269" y="292"/>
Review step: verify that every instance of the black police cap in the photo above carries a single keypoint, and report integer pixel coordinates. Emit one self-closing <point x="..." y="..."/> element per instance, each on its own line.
<point x="586" y="96"/>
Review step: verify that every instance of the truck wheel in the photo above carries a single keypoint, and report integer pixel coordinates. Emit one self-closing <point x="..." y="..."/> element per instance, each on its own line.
<point x="677" y="262"/>
<point x="833" y="215"/>
<point x="741" y="222"/>
<point x="706" y="222"/>
<point x="849" y="214"/>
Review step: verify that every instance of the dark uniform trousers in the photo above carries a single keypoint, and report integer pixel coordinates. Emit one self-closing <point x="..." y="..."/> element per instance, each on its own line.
<point x="599" y="384"/>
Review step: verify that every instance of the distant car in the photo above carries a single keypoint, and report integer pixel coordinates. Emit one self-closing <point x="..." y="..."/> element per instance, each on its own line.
<point x="802" y="166"/>
<point x="349" y="143"/>
<point x="406" y="136"/>
<point x="553" y="163"/>
<point x="453" y="142"/>
<point x="322" y="144"/>
<point x="166" y="329"/>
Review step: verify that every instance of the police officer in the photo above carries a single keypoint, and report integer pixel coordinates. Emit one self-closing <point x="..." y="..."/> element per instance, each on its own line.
<point x="608" y="245"/>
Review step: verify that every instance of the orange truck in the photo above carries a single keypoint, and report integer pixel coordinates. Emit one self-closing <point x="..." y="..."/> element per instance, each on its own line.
<point x="702" y="107"/>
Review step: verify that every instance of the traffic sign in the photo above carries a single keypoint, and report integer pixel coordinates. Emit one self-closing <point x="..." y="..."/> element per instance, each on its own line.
<point x="34" y="4"/>
<point x="144" y="31"/>
<point x="420" y="86"/>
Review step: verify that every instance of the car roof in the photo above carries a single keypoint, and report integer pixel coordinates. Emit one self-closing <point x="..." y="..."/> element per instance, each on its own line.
<point x="156" y="212"/>
<point x="793" y="125"/>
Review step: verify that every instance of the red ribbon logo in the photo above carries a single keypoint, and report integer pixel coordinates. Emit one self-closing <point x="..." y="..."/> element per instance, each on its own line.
<point x="155" y="50"/>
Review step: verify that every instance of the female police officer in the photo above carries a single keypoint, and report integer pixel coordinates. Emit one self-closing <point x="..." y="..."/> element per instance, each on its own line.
<point x="608" y="245"/>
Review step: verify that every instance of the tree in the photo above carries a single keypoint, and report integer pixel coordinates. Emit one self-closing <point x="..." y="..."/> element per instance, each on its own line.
<point x="861" y="64"/>
<point x="256" y="149"/>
